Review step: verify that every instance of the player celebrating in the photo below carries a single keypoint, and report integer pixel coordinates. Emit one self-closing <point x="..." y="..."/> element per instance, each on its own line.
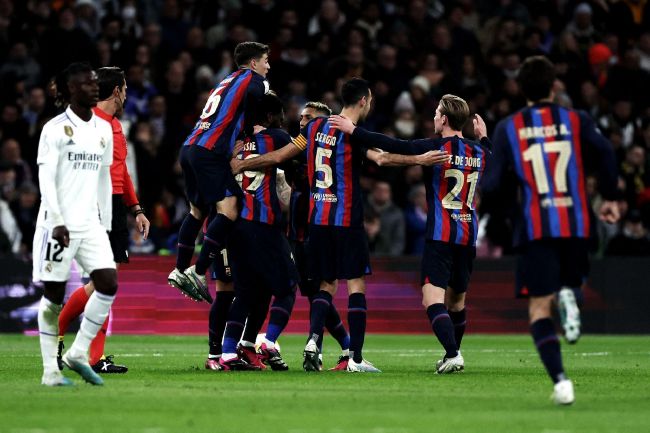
<point x="260" y="255"/>
<point x="204" y="159"/>
<point x="112" y="94"/>
<point x="74" y="157"/>
<point x="546" y="144"/>
<point x="452" y="222"/>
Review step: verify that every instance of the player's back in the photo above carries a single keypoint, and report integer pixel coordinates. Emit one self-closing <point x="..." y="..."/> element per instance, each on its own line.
<point x="224" y="115"/>
<point x="79" y="149"/>
<point x="544" y="143"/>
<point x="333" y="166"/>
<point x="260" y="200"/>
<point x="451" y="191"/>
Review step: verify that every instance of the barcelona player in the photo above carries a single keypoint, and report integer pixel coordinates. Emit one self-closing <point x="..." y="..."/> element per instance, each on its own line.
<point x="547" y="146"/>
<point x="204" y="158"/>
<point x="452" y="222"/>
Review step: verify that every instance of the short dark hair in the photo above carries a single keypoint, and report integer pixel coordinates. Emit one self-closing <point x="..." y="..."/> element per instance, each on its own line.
<point x="536" y="78"/>
<point x="320" y="107"/>
<point x="456" y="110"/>
<point x="270" y="104"/>
<point x="63" y="78"/>
<point x="247" y="51"/>
<point x="108" y="79"/>
<point x="353" y="90"/>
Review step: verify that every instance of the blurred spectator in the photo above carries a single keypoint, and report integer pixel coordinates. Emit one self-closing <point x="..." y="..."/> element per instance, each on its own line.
<point x="390" y="240"/>
<point x="633" y="239"/>
<point x="10" y="236"/>
<point x="10" y="154"/>
<point x="25" y="210"/>
<point x="633" y="172"/>
<point x="21" y="64"/>
<point x="7" y="181"/>
<point x="415" y="218"/>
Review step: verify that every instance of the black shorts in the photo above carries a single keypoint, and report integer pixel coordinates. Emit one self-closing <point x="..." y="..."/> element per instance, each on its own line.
<point x="221" y="270"/>
<point x="208" y="176"/>
<point x="337" y="253"/>
<point x="261" y="259"/>
<point x="119" y="235"/>
<point x="308" y="287"/>
<point x="447" y="265"/>
<point x="547" y="265"/>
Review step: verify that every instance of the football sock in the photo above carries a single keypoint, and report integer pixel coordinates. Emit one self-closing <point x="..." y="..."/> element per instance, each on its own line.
<point x="97" y="345"/>
<point x="459" y="319"/>
<point x="186" y="239"/>
<point x="548" y="346"/>
<point x="280" y="314"/>
<point x="48" y="330"/>
<point x="217" y="320"/>
<point x="443" y="328"/>
<point x="319" y="307"/>
<point x="72" y="309"/>
<point x="357" y="322"/>
<point x="95" y="315"/>
<point x="234" y="325"/>
<point x="213" y="242"/>
<point x="319" y="342"/>
<point x="335" y="326"/>
<point x="258" y="309"/>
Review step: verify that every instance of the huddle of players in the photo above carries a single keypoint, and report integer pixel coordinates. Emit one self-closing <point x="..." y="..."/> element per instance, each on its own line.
<point x="539" y="139"/>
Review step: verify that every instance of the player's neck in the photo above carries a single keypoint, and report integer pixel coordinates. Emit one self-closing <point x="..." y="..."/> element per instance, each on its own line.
<point x="107" y="107"/>
<point x="351" y="113"/>
<point x="548" y="100"/>
<point x="84" y="113"/>
<point x="448" y="132"/>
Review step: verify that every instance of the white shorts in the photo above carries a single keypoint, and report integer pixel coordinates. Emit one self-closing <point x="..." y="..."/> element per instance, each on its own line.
<point x="91" y="249"/>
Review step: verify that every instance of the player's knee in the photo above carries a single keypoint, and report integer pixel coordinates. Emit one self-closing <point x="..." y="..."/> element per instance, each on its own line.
<point x="197" y="212"/>
<point x="539" y="307"/>
<point x="54" y="291"/>
<point x="105" y="281"/>
<point x="228" y="208"/>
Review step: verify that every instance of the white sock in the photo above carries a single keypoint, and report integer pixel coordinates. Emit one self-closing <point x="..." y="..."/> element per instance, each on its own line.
<point x="48" y="330"/>
<point x="345" y="352"/>
<point x="247" y="343"/>
<point x="228" y="356"/>
<point x="269" y="344"/>
<point x="95" y="314"/>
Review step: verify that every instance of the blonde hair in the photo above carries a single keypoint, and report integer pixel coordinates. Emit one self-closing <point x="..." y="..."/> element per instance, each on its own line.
<point x="456" y="110"/>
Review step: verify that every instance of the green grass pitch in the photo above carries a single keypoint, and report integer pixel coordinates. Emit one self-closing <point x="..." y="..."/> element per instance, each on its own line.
<point x="503" y="389"/>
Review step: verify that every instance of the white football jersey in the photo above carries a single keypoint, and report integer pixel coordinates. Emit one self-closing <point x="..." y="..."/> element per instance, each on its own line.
<point x="80" y="149"/>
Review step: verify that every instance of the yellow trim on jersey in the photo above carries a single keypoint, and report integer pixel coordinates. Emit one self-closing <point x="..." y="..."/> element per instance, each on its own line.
<point x="300" y="141"/>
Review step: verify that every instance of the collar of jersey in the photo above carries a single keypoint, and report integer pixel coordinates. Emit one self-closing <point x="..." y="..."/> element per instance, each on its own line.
<point x="76" y="120"/>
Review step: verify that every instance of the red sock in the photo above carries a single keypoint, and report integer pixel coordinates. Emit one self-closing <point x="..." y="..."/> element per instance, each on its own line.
<point x="72" y="309"/>
<point x="97" y="346"/>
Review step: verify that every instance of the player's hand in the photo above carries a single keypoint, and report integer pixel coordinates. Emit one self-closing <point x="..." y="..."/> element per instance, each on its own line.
<point x="609" y="212"/>
<point x="143" y="224"/>
<point x="433" y="157"/>
<point x="480" y="130"/>
<point x="258" y="128"/>
<point x="342" y="123"/>
<point x="237" y="148"/>
<point x="236" y="165"/>
<point x="61" y="235"/>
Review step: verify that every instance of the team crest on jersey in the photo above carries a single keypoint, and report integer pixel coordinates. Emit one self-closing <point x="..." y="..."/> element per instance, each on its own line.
<point x="48" y="267"/>
<point x="102" y="143"/>
<point x="68" y="130"/>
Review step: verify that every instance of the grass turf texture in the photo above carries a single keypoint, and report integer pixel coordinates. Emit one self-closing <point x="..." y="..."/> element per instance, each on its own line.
<point x="504" y="389"/>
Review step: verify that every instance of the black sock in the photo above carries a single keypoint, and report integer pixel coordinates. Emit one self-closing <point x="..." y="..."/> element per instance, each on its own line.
<point x="319" y="342"/>
<point x="320" y="305"/>
<point x="258" y="308"/>
<point x="357" y="322"/>
<point x="459" y="319"/>
<point x="443" y="328"/>
<point x="548" y="346"/>
<point x="186" y="239"/>
<point x="234" y="325"/>
<point x="217" y="320"/>
<point x="335" y="326"/>
<point x="279" y="316"/>
<point x="213" y="242"/>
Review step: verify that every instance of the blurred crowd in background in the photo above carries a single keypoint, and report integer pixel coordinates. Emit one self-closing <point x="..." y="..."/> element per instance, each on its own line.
<point x="412" y="51"/>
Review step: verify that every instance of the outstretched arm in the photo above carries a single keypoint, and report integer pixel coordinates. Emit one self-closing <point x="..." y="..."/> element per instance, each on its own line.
<point x="386" y="159"/>
<point x="267" y="160"/>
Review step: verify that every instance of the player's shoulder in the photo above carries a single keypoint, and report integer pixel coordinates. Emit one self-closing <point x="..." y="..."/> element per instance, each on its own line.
<point x="277" y="134"/>
<point x="57" y="125"/>
<point x="105" y="126"/>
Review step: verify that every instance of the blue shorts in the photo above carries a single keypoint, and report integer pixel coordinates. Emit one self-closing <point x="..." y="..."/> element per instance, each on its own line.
<point x="447" y="265"/>
<point x="207" y="175"/>
<point x="261" y="259"/>
<point x="337" y="253"/>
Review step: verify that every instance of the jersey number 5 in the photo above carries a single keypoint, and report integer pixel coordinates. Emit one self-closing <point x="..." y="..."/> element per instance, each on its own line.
<point x="323" y="167"/>
<point x="450" y="201"/>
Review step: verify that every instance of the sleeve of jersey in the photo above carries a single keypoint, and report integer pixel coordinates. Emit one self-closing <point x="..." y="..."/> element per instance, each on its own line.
<point x="105" y="187"/>
<point x="48" y="159"/>
<point x="607" y="171"/>
<point x="389" y="144"/>
<point x="496" y="160"/>
<point x="129" y="198"/>
<point x="300" y="142"/>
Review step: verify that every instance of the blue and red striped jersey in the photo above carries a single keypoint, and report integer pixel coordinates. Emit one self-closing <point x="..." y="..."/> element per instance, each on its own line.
<point x="333" y="167"/>
<point x="260" y="199"/>
<point x="545" y="146"/>
<point x="227" y="112"/>
<point x="451" y="187"/>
